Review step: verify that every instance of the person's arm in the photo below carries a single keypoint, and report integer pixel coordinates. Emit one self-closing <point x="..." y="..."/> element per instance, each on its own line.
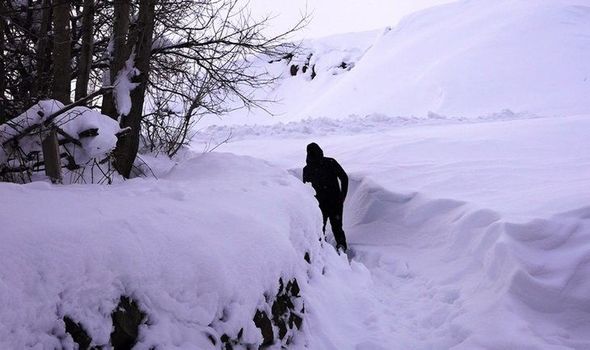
<point x="341" y="174"/>
<point x="305" y="175"/>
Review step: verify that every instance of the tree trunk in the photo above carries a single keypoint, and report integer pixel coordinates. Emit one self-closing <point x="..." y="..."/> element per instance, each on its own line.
<point x="141" y="39"/>
<point x="62" y="65"/>
<point x="3" y="116"/>
<point x="42" y="74"/>
<point x="119" y="53"/>
<point x="51" y="157"/>
<point x="85" y="51"/>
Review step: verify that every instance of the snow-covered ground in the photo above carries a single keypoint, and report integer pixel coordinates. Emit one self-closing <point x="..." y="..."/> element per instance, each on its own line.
<point x="465" y="134"/>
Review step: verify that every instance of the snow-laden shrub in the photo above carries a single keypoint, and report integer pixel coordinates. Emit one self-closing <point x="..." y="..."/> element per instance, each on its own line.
<point x="86" y="139"/>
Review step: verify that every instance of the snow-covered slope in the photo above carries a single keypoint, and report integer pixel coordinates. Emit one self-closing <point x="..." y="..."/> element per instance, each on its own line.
<point x="474" y="57"/>
<point x="466" y="59"/>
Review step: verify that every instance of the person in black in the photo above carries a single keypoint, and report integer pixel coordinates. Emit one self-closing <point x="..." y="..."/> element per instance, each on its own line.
<point x="324" y="173"/>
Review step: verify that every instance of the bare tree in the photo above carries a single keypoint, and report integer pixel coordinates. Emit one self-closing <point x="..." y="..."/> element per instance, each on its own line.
<point x="173" y="60"/>
<point x="119" y="51"/>
<point x="141" y="39"/>
<point x="201" y="62"/>
<point x="2" y="65"/>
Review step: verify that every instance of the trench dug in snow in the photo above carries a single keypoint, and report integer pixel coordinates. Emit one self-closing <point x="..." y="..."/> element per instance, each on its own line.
<point x="439" y="273"/>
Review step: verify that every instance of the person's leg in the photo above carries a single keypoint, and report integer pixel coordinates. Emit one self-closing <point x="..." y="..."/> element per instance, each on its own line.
<point x="325" y="215"/>
<point x="336" y="223"/>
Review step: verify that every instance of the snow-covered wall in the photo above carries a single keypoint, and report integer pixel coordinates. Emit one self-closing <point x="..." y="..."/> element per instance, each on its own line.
<point x="200" y="250"/>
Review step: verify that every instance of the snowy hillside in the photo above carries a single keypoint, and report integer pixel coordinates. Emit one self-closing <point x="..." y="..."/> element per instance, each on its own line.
<point x="464" y="59"/>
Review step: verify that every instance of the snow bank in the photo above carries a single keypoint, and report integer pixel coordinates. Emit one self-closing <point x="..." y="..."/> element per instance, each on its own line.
<point x="200" y="250"/>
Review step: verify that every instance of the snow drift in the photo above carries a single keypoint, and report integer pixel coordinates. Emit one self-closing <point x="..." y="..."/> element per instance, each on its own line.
<point x="468" y="277"/>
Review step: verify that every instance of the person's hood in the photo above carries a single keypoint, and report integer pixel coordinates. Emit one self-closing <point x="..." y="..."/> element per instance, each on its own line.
<point x="314" y="153"/>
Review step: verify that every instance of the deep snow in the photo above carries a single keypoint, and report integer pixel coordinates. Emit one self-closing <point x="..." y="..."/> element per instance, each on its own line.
<point x="464" y="131"/>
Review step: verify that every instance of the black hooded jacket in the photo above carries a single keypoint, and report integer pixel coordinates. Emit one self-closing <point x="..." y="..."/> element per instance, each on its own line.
<point x="324" y="173"/>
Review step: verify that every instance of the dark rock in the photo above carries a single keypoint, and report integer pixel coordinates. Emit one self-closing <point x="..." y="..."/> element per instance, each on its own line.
<point x="293" y="288"/>
<point x="294" y="69"/>
<point x="78" y="334"/>
<point x="211" y="338"/>
<point x="227" y="342"/>
<point x="295" y="320"/>
<point x="127" y="318"/>
<point x="263" y="323"/>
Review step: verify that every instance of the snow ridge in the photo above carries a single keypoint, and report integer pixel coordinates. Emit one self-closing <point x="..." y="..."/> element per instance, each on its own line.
<point x="352" y="124"/>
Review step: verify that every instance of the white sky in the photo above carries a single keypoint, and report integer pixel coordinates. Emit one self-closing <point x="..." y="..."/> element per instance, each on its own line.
<point x="339" y="16"/>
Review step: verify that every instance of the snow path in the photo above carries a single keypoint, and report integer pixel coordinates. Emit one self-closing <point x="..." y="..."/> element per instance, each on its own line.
<point x="382" y="294"/>
<point x="398" y="288"/>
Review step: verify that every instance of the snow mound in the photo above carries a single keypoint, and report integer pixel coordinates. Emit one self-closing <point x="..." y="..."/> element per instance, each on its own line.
<point x="200" y="250"/>
<point x="471" y="57"/>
